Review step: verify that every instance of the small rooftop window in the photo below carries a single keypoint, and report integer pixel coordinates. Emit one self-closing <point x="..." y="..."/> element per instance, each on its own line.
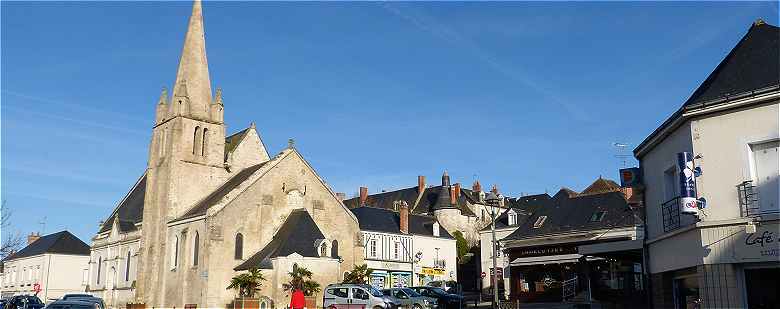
<point x="540" y="221"/>
<point x="597" y="216"/>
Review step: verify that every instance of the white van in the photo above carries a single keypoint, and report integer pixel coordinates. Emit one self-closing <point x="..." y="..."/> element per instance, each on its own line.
<point x="355" y="296"/>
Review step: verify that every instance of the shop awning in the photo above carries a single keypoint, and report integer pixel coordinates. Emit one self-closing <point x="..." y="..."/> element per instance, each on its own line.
<point x="549" y="259"/>
<point x="615" y="246"/>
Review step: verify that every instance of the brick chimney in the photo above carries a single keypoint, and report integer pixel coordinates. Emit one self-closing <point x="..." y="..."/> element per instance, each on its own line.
<point x="341" y="196"/>
<point x="476" y="187"/>
<point x="420" y="184"/>
<point x="457" y="190"/>
<point x="363" y="196"/>
<point x="453" y="196"/>
<point x="403" y="213"/>
<point x="33" y="237"/>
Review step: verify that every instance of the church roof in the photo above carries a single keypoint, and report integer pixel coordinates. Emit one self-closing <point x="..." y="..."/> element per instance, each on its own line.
<point x="130" y="210"/>
<point x="61" y="242"/>
<point x="231" y="142"/>
<point x="389" y="221"/>
<point x="203" y="205"/>
<point x="298" y="234"/>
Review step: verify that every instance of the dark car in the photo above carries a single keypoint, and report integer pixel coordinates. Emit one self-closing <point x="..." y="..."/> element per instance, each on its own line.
<point x="445" y="300"/>
<point x="73" y="303"/>
<point x="24" y="302"/>
<point x="85" y="298"/>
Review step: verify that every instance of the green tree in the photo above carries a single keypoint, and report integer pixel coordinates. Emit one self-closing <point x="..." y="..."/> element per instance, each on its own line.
<point x="247" y="284"/>
<point x="300" y="279"/>
<point x="463" y="248"/>
<point x="358" y="275"/>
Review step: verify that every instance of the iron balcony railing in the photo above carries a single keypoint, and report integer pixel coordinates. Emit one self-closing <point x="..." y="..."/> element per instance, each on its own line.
<point x="748" y="199"/>
<point x="671" y="214"/>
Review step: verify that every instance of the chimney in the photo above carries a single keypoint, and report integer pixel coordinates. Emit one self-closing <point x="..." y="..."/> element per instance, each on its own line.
<point x="457" y="190"/>
<point x="403" y="213"/>
<point x="363" y="196"/>
<point x="420" y="184"/>
<point x="341" y="196"/>
<point x="436" y="232"/>
<point x="476" y="187"/>
<point x="33" y="237"/>
<point x="453" y="198"/>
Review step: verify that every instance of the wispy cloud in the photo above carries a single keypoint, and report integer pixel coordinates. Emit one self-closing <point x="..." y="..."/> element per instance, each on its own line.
<point x="69" y="105"/>
<point x="81" y="121"/>
<point x="69" y="176"/>
<point x="447" y="34"/>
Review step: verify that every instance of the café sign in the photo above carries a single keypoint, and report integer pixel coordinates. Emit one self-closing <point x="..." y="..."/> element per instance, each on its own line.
<point x="544" y="251"/>
<point x="432" y="271"/>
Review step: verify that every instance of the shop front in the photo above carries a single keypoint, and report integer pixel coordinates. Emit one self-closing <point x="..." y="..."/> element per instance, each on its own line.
<point x="387" y="275"/>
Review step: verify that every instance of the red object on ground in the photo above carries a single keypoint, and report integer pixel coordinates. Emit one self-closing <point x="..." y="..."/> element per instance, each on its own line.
<point x="298" y="300"/>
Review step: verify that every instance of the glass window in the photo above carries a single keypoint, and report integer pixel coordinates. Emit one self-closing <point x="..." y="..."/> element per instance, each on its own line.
<point x="340" y="292"/>
<point x="396" y="250"/>
<point x="239" y="252"/>
<point x="372" y="248"/>
<point x="359" y="293"/>
<point x="540" y="221"/>
<point x="597" y="216"/>
<point x="195" y="249"/>
<point x="765" y="165"/>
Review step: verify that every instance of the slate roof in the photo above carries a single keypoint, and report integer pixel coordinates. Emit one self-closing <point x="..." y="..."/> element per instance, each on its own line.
<point x="60" y="243"/>
<point x="574" y="214"/>
<point x="388" y="221"/>
<point x="426" y="206"/>
<point x="525" y="206"/>
<point x="754" y="63"/>
<point x="210" y="200"/>
<point x="130" y="210"/>
<point x="298" y="234"/>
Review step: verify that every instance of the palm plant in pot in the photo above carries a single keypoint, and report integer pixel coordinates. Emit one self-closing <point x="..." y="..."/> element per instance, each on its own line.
<point x="247" y="284"/>
<point x="300" y="280"/>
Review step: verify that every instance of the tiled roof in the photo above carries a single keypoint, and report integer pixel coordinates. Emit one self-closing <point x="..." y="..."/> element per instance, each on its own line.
<point x="298" y="234"/>
<point x="524" y="206"/>
<point x="601" y="185"/>
<point x="60" y="243"/>
<point x="754" y="63"/>
<point x="130" y="210"/>
<point x="388" y="221"/>
<point x="574" y="214"/>
<point x="426" y="205"/>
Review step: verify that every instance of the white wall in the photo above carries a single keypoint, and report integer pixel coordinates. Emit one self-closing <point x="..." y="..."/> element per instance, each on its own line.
<point x="486" y="255"/>
<point x="447" y="252"/>
<point x="57" y="274"/>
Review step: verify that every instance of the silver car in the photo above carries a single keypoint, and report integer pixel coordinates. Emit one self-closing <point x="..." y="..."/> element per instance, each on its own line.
<point x="354" y="296"/>
<point x="408" y="298"/>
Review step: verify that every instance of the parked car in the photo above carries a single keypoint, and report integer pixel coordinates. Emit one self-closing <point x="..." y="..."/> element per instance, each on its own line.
<point x="444" y="300"/>
<point x="452" y="287"/>
<point x="347" y="296"/>
<point x="73" y="303"/>
<point x="85" y="298"/>
<point x="24" y="302"/>
<point x="407" y="298"/>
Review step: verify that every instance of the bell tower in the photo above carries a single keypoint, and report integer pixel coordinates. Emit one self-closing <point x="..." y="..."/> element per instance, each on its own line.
<point x="186" y="157"/>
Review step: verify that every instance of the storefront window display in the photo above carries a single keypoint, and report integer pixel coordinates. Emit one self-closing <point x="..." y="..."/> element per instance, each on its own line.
<point x="400" y="279"/>
<point x="686" y="292"/>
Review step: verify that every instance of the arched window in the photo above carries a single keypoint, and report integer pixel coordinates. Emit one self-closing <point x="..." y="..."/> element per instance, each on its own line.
<point x="99" y="268"/>
<point x="334" y="249"/>
<point x="205" y="140"/>
<point x="195" y="140"/>
<point x="195" y="249"/>
<point x="324" y="249"/>
<point x="239" y="255"/>
<point x="127" y="267"/>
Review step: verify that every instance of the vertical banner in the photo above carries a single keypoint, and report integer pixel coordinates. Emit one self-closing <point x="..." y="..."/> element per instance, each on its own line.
<point x="687" y="184"/>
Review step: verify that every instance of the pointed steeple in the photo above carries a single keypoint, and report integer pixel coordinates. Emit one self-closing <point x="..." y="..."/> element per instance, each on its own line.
<point x="445" y="179"/>
<point x="192" y="77"/>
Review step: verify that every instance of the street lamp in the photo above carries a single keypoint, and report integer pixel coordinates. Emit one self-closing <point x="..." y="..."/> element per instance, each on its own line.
<point x="493" y="200"/>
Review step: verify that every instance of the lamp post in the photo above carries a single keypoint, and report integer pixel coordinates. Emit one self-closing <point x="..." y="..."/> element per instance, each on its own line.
<point x="493" y="201"/>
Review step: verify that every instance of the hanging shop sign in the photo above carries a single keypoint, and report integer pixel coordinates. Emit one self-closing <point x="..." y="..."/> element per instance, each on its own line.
<point x="688" y="203"/>
<point x="630" y="177"/>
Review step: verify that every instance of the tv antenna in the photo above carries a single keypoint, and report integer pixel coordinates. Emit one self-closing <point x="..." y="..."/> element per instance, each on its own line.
<point x="42" y="223"/>
<point x="621" y="152"/>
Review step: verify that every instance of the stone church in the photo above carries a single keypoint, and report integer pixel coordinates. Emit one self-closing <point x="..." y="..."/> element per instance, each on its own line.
<point x="209" y="206"/>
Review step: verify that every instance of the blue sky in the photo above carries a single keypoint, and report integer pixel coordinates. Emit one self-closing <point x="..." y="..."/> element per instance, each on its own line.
<point x="530" y="96"/>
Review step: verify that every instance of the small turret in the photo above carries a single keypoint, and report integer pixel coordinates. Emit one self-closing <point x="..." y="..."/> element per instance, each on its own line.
<point x="217" y="107"/>
<point x="161" y="111"/>
<point x="445" y="179"/>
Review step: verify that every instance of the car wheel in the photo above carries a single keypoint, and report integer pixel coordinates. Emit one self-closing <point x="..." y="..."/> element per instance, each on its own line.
<point x="416" y="306"/>
<point x="377" y="307"/>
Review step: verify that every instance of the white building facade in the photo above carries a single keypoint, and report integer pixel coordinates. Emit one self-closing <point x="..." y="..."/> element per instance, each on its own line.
<point x="727" y="255"/>
<point x="55" y="264"/>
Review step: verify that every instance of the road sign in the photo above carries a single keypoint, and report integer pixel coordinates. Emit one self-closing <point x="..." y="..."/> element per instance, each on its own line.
<point x="483" y="275"/>
<point x="36" y="288"/>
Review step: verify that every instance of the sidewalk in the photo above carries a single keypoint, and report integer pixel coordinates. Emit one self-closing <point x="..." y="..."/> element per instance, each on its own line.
<point x="486" y="305"/>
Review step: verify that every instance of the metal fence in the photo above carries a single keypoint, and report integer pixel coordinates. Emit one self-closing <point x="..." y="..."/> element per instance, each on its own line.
<point x="569" y="288"/>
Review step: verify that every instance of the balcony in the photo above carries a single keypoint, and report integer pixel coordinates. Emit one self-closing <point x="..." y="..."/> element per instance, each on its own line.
<point x="671" y="214"/>
<point x="749" y="202"/>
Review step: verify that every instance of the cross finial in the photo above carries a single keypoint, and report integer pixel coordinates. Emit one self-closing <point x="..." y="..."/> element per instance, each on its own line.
<point x="290" y="143"/>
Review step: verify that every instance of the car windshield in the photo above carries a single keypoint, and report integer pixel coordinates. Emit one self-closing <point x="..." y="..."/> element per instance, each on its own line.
<point x="76" y="296"/>
<point x="411" y="292"/>
<point x="375" y="292"/>
<point x="438" y="291"/>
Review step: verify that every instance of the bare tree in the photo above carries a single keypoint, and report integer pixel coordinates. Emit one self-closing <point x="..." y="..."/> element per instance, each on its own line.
<point x="11" y="241"/>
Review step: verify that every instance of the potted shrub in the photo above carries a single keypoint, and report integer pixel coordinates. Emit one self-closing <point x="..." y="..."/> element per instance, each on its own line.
<point x="301" y="283"/>
<point x="247" y="285"/>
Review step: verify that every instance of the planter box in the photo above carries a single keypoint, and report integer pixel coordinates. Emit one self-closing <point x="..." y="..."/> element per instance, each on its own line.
<point x="135" y="306"/>
<point x="311" y="302"/>
<point x="246" y="303"/>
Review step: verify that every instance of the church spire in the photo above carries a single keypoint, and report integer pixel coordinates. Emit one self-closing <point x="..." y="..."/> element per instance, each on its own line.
<point x="193" y="72"/>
